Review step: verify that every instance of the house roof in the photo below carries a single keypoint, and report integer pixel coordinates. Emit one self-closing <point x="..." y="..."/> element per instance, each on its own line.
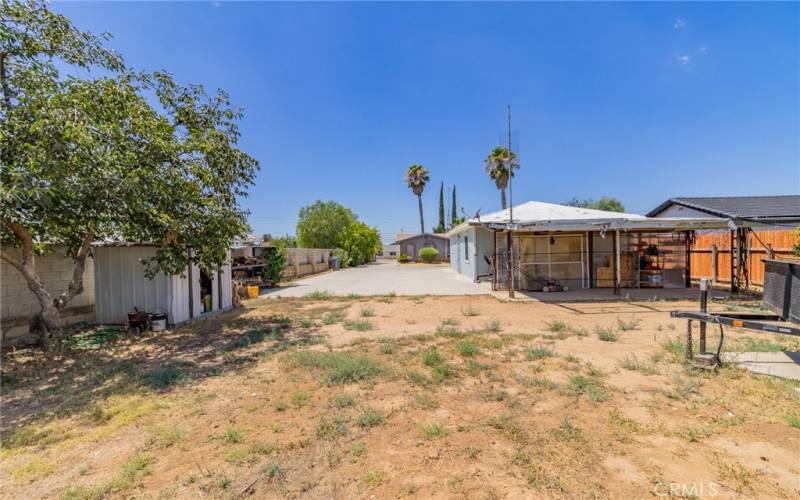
<point x="762" y="208"/>
<point x="537" y="211"/>
<point x="419" y="235"/>
<point x="540" y="216"/>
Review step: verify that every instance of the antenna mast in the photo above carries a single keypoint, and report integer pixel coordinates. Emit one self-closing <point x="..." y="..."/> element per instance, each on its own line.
<point x="509" y="236"/>
<point x="510" y="171"/>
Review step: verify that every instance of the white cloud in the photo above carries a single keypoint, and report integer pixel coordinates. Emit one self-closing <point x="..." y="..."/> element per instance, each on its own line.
<point x="679" y="23"/>
<point x="684" y="59"/>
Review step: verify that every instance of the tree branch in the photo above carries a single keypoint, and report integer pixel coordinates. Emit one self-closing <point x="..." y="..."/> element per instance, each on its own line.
<point x="76" y="284"/>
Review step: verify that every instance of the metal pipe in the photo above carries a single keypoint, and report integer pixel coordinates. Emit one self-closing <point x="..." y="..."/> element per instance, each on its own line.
<point x="703" y="309"/>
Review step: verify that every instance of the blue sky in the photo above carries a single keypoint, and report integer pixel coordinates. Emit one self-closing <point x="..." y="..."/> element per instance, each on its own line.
<point x="639" y="101"/>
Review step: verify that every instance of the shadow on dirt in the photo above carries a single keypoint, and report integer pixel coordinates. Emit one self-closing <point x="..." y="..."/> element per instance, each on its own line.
<point x="105" y="361"/>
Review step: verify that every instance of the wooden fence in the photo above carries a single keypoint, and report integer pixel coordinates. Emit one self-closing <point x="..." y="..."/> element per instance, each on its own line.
<point x="702" y="254"/>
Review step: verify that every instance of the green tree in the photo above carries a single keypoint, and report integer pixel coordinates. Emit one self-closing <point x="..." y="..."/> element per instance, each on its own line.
<point x="500" y="165"/>
<point x="285" y="241"/>
<point x="441" y="227"/>
<point x="416" y="179"/>
<point x="274" y="265"/>
<point x="455" y="219"/>
<point x="362" y="243"/>
<point x="324" y="225"/>
<point x="90" y="159"/>
<point x="606" y="203"/>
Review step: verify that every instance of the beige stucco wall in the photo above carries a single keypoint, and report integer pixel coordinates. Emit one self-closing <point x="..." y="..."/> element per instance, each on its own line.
<point x="18" y="305"/>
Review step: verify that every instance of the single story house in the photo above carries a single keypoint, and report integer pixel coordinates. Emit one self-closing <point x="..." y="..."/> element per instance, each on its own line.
<point x="412" y="244"/>
<point x="120" y="285"/>
<point x="783" y="210"/>
<point x="391" y="251"/>
<point x="760" y="227"/>
<point x="576" y="247"/>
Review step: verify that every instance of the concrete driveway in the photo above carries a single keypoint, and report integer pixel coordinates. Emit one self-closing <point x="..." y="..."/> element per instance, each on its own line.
<point x="384" y="278"/>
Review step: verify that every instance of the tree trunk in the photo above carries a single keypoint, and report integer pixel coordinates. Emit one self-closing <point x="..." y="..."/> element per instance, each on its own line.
<point x="50" y="323"/>
<point x="421" y="220"/>
<point x="503" y="198"/>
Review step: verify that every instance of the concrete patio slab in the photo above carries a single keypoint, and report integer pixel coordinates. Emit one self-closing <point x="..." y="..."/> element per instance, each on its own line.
<point x="778" y="364"/>
<point x="383" y="278"/>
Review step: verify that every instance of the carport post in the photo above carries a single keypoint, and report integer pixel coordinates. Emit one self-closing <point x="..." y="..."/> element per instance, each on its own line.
<point x="510" y="260"/>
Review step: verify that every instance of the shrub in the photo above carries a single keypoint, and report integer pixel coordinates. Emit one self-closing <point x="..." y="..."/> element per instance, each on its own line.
<point x="403" y="258"/>
<point x="428" y="254"/>
<point x="274" y="264"/>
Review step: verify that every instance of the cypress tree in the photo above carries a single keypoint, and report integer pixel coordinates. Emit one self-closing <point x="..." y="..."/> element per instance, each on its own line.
<point x="454" y="214"/>
<point x="440" y="227"/>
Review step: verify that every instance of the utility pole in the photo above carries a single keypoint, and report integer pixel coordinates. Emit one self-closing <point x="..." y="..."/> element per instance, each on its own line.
<point x="509" y="238"/>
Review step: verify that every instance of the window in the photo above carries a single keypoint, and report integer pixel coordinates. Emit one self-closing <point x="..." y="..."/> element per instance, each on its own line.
<point x="392" y="254"/>
<point x="466" y="248"/>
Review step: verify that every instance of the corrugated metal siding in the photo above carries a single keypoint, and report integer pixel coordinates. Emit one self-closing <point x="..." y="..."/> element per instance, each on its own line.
<point x="120" y="284"/>
<point x="179" y="295"/>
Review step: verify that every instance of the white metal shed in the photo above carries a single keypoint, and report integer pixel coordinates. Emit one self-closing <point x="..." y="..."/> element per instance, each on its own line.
<point x="121" y="285"/>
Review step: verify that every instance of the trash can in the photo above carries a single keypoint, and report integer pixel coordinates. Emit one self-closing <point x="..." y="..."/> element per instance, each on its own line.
<point x="158" y="321"/>
<point x="334" y="262"/>
<point x="252" y="292"/>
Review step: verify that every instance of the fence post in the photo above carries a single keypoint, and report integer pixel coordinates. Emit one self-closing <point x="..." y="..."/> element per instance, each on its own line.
<point x="770" y="253"/>
<point x="713" y="264"/>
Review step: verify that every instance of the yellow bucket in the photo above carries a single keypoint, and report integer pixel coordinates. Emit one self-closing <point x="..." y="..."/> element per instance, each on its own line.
<point x="252" y="292"/>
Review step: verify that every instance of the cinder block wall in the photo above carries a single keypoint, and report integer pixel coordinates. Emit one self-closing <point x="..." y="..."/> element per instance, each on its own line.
<point x="18" y="305"/>
<point x="305" y="261"/>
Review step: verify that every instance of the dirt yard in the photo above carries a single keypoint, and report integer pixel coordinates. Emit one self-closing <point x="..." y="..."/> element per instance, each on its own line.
<point x="388" y="397"/>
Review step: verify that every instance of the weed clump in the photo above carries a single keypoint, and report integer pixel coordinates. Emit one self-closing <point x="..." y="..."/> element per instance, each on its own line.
<point x="539" y="352"/>
<point x="338" y="368"/>
<point x="606" y="334"/>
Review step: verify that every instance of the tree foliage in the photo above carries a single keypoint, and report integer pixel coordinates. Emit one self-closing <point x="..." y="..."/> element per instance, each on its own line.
<point x="285" y="241"/>
<point x="274" y="265"/>
<point x="324" y="224"/>
<point x="362" y="243"/>
<point x="500" y="164"/>
<point x="88" y="159"/>
<point x="416" y="178"/>
<point x="606" y="203"/>
<point x="441" y="227"/>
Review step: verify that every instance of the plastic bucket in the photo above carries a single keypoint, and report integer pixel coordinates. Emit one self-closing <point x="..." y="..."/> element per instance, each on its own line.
<point x="252" y="292"/>
<point x="158" y="322"/>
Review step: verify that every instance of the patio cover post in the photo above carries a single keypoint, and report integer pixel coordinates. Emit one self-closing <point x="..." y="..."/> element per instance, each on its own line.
<point x="618" y="274"/>
<point x="510" y="260"/>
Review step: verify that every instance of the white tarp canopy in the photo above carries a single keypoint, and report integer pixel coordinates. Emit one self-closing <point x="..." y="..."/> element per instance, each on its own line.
<point x="540" y="216"/>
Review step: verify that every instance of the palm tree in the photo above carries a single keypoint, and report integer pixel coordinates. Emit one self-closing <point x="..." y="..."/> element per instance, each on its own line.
<point x="416" y="178"/>
<point x="500" y="166"/>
